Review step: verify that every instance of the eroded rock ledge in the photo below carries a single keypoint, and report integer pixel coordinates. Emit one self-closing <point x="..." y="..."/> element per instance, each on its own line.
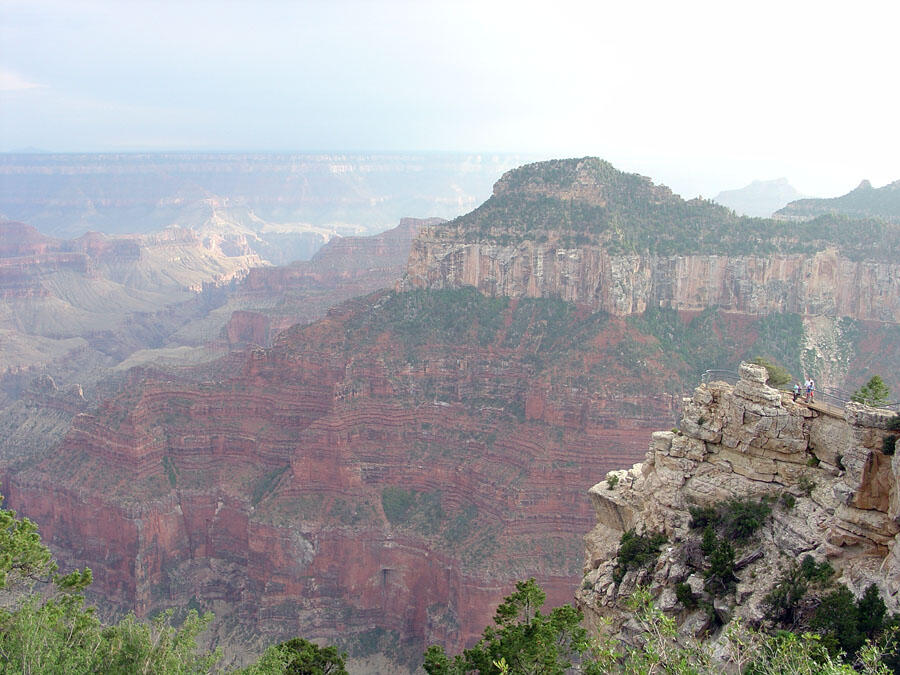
<point x="752" y="441"/>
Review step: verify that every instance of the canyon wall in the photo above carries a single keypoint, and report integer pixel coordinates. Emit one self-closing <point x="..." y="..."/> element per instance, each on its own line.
<point x="825" y="282"/>
<point x="364" y="480"/>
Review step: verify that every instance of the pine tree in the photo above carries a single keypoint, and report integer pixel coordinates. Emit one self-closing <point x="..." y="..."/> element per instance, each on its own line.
<point x="874" y="392"/>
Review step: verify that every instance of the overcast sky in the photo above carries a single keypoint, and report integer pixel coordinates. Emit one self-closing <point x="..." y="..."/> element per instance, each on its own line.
<point x="703" y="96"/>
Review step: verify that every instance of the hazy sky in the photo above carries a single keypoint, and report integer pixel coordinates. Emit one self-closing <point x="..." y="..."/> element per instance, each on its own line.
<point x="703" y="96"/>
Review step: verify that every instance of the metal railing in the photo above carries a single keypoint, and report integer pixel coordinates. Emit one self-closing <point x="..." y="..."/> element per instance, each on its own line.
<point x="834" y="395"/>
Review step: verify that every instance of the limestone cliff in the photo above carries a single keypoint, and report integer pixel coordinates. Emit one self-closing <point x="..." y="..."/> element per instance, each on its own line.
<point x="584" y="232"/>
<point x="833" y="491"/>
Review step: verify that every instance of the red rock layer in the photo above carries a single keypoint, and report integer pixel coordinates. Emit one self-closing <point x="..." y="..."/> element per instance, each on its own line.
<point x="267" y="492"/>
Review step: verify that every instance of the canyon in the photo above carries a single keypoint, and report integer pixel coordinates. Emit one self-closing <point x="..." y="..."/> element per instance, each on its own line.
<point x="353" y="480"/>
<point x="286" y="205"/>
<point x="379" y="470"/>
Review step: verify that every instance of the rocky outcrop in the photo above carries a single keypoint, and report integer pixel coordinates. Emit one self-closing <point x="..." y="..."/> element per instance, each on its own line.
<point x="833" y="491"/>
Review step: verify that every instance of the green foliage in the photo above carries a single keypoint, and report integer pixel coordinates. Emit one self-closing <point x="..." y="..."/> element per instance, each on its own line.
<point x="742" y="517"/>
<point x="889" y="445"/>
<point x="778" y="376"/>
<point x="699" y="343"/>
<point x="636" y="551"/>
<point x="781" y="337"/>
<point x="637" y="216"/>
<point x="299" y="657"/>
<point x="419" y="317"/>
<point x="522" y="640"/>
<point x="396" y="503"/>
<point x="736" y="519"/>
<point x="171" y="471"/>
<point x="611" y="481"/>
<point x="266" y="484"/>
<point x="22" y="555"/>
<point x="837" y="621"/>
<point x="783" y="602"/>
<point x="701" y="516"/>
<point x="133" y="646"/>
<point x="788" y="501"/>
<point x="53" y="632"/>
<point x="709" y="541"/>
<point x="661" y="651"/>
<point x="873" y="393"/>
<point x="685" y="595"/>
<point x="720" y="573"/>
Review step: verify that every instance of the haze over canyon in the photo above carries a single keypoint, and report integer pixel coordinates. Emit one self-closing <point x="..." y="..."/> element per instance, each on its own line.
<point x="355" y="398"/>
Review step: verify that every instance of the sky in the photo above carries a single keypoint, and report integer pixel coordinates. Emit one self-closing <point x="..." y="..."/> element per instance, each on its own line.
<point x="703" y="96"/>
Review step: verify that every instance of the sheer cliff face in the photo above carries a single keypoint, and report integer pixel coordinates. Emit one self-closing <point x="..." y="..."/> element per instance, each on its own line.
<point x="752" y="441"/>
<point x="823" y="283"/>
<point x="391" y="470"/>
<point x="581" y="231"/>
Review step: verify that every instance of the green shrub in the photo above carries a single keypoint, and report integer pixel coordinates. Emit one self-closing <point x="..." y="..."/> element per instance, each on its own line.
<point x="611" y="481"/>
<point x="735" y="519"/>
<point x="636" y="551"/>
<point x="266" y="484"/>
<point x="742" y="517"/>
<point x="685" y="596"/>
<point x="396" y="503"/>
<point x="708" y="544"/>
<point x="721" y="566"/>
<point x="890" y="445"/>
<point x="788" y="501"/>
<point x="874" y="392"/>
<point x="783" y="601"/>
<point x="701" y="516"/>
<point x="777" y="375"/>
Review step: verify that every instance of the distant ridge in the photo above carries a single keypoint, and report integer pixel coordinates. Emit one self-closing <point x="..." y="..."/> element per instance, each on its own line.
<point x="761" y="198"/>
<point x="586" y="201"/>
<point x="863" y="202"/>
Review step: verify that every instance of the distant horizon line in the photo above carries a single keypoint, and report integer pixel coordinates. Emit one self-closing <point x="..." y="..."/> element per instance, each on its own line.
<point x="38" y="151"/>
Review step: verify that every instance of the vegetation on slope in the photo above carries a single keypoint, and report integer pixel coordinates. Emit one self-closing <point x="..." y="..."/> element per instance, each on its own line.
<point x="45" y="626"/>
<point x="863" y="202"/>
<point x="524" y="640"/>
<point x="587" y="201"/>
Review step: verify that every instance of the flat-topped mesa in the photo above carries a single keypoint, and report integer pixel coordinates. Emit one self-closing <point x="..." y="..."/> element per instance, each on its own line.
<point x="832" y="489"/>
<point x="580" y="230"/>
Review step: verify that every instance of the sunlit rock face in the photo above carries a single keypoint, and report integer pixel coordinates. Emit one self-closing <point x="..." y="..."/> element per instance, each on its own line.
<point x="752" y="441"/>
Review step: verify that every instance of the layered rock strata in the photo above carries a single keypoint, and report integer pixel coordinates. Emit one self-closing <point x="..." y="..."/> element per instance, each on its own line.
<point x="822" y="283"/>
<point x="752" y="441"/>
<point x="362" y="477"/>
